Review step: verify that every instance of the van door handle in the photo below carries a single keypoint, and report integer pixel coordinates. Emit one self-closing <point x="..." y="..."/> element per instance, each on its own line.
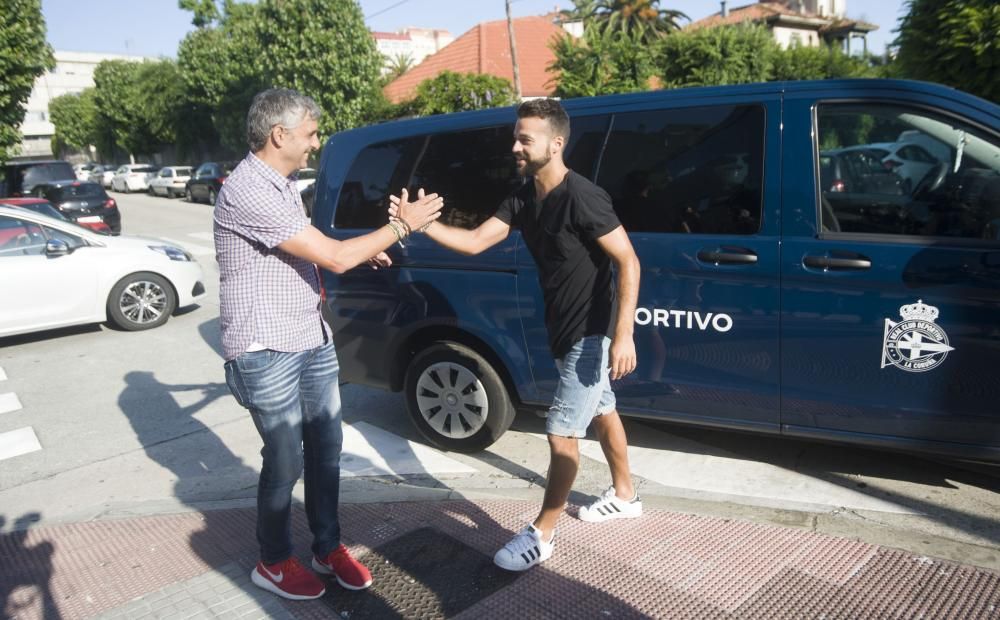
<point x="835" y="263"/>
<point x="728" y="256"/>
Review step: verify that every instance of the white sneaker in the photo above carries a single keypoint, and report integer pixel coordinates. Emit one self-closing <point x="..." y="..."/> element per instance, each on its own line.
<point x="610" y="506"/>
<point x="524" y="550"/>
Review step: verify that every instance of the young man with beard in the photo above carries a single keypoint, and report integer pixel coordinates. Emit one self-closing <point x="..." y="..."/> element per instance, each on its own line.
<point x="575" y="237"/>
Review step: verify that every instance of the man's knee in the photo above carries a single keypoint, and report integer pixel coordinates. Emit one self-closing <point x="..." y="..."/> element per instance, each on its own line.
<point x="564" y="446"/>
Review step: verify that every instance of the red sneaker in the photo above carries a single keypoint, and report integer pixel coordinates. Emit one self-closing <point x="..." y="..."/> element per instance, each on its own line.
<point x="350" y="573"/>
<point x="288" y="579"/>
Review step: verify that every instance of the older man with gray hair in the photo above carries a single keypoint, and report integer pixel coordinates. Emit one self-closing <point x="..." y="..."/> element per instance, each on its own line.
<point x="280" y="360"/>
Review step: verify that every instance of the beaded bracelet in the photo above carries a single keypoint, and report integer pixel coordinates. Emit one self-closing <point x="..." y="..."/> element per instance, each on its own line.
<point x="396" y="230"/>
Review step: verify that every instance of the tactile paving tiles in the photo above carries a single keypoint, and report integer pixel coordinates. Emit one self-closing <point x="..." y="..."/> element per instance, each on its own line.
<point x="664" y="565"/>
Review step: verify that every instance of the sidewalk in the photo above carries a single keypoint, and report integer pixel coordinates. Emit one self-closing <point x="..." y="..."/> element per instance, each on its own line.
<point x="433" y="559"/>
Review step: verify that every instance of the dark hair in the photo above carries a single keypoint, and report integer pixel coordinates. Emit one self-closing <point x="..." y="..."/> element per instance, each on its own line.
<point x="549" y="110"/>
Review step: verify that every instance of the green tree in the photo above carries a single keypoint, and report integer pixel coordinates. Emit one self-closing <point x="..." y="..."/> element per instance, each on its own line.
<point x="640" y="20"/>
<point x="398" y="65"/>
<point x="713" y="56"/>
<point x="24" y="55"/>
<point x="221" y="68"/>
<point x="457" y="92"/>
<point x="819" y="63"/>
<point x="75" y="118"/>
<point x="323" y="49"/>
<point x="600" y="64"/>
<point x="953" y="42"/>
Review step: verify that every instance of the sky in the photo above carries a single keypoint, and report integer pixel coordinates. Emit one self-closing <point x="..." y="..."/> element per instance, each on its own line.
<point x="155" y="27"/>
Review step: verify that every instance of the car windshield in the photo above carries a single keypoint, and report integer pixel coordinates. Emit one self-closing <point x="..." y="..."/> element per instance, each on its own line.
<point x="43" y="173"/>
<point x="45" y="209"/>
<point x="78" y="191"/>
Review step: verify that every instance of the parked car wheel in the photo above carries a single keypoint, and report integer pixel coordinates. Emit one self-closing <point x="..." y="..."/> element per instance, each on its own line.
<point x="141" y="301"/>
<point x="456" y="399"/>
<point x="188" y="195"/>
<point x="211" y="197"/>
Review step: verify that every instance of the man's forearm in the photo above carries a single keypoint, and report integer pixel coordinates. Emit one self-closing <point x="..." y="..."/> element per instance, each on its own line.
<point x="628" y="296"/>
<point x="458" y="239"/>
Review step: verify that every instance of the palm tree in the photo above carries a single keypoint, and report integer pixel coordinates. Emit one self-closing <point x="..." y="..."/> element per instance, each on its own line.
<point x="642" y="20"/>
<point x="398" y="65"/>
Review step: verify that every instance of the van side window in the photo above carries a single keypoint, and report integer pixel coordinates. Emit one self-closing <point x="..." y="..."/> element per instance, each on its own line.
<point x="377" y="171"/>
<point x="586" y="138"/>
<point x="899" y="170"/>
<point x="472" y="170"/>
<point x="692" y="170"/>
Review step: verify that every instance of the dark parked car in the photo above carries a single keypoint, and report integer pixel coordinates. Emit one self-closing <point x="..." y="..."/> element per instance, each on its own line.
<point x="20" y="178"/>
<point x="207" y="180"/>
<point x="768" y="301"/>
<point x="40" y="205"/>
<point x="83" y="202"/>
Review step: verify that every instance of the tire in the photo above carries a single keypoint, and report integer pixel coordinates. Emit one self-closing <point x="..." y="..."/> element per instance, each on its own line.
<point x="156" y="298"/>
<point x="456" y="399"/>
<point x="188" y="195"/>
<point x="212" y="196"/>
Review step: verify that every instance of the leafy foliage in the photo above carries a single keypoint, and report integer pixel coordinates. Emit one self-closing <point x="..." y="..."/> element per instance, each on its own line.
<point x="953" y="42"/>
<point x="75" y="118"/>
<point x="600" y="64"/>
<point x="457" y="92"/>
<point x="712" y="56"/>
<point x="820" y="63"/>
<point x="24" y="55"/>
<point x="642" y="21"/>
<point x="323" y="49"/>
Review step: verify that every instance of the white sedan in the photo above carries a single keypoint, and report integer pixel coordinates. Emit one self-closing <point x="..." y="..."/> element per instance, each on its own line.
<point x="133" y="177"/>
<point x="56" y="273"/>
<point x="170" y="181"/>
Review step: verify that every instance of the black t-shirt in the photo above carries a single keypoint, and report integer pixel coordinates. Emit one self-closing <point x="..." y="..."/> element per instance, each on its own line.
<point x="575" y="273"/>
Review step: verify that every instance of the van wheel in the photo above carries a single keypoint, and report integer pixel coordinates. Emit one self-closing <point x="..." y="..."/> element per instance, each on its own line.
<point x="141" y="301"/>
<point x="456" y="399"/>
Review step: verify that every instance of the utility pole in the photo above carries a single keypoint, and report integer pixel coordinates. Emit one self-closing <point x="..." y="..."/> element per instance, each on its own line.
<point x="513" y="53"/>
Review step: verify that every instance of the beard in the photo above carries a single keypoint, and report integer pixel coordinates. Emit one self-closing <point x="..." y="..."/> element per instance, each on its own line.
<point x="532" y="166"/>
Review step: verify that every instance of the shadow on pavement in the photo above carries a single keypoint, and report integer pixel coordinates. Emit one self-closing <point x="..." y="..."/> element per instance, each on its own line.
<point x="23" y="592"/>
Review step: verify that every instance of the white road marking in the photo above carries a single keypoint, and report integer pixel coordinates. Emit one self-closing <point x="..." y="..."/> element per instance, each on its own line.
<point x="18" y="442"/>
<point x="370" y="451"/>
<point x="697" y="470"/>
<point x="3" y="375"/>
<point x="9" y="402"/>
<point x="197" y="250"/>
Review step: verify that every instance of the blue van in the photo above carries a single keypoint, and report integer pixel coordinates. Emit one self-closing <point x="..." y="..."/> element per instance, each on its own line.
<point x="785" y="290"/>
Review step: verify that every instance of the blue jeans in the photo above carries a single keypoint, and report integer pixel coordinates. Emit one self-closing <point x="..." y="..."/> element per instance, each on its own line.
<point x="294" y="400"/>
<point x="584" y="389"/>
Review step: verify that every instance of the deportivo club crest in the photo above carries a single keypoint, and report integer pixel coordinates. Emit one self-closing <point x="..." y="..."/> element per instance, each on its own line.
<point x="915" y="344"/>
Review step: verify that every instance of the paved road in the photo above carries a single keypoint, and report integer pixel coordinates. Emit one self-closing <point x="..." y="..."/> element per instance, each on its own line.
<point x="113" y="423"/>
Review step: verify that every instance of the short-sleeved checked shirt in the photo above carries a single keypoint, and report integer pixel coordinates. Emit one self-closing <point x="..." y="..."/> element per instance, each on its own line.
<point x="268" y="297"/>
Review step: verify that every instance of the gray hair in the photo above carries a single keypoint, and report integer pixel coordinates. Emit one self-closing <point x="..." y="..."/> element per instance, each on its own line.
<point x="277" y="106"/>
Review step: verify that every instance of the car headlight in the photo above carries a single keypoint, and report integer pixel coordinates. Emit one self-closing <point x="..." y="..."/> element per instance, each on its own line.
<point x="171" y="252"/>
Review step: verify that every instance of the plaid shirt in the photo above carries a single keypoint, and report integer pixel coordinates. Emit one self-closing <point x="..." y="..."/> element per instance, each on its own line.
<point x="268" y="297"/>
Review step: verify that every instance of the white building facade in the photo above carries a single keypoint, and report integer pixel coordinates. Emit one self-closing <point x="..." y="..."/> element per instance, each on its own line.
<point x="415" y="43"/>
<point x="74" y="72"/>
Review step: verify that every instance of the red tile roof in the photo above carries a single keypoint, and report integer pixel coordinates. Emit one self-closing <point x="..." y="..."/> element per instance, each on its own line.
<point x="486" y="49"/>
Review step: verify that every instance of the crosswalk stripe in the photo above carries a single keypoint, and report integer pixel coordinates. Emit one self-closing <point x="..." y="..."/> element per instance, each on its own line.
<point x="3" y="375"/>
<point x="18" y="442"/>
<point x="9" y="402"/>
